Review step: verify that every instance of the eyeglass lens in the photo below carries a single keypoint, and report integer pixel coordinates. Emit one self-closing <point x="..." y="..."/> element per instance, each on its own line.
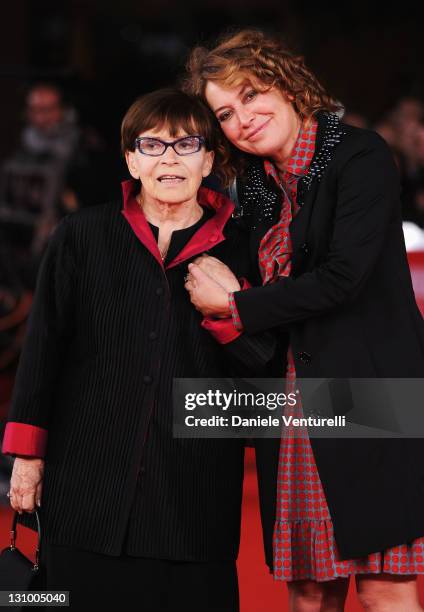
<point x="183" y="146"/>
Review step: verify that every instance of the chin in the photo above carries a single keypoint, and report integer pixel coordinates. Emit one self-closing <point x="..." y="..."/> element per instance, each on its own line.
<point x="261" y="149"/>
<point x="265" y="147"/>
<point x="268" y="147"/>
<point x="174" y="196"/>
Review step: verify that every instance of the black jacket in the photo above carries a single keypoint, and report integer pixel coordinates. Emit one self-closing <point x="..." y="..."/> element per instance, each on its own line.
<point x="109" y="329"/>
<point x="347" y="310"/>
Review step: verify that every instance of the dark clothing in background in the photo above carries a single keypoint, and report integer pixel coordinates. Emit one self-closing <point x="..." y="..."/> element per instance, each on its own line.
<point x="52" y="173"/>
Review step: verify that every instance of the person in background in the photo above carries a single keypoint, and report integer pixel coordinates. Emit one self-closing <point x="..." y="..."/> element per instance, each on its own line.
<point x="356" y="119"/>
<point x="52" y="172"/>
<point x="402" y="128"/>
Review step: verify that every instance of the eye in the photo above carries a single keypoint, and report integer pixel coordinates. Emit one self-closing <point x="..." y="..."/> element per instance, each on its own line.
<point x="151" y="145"/>
<point x="224" y="116"/>
<point x="187" y="143"/>
<point x="250" y="95"/>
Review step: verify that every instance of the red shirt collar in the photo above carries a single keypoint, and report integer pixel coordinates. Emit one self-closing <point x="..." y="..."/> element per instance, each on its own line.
<point x="208" y="235"/>
<point x="301" y="156"/>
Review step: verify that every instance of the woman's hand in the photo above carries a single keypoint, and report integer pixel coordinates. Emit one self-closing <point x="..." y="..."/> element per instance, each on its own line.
<point x="219" y="272"/>
<point x="26" y="484"/>
<point x="207" y="296"/>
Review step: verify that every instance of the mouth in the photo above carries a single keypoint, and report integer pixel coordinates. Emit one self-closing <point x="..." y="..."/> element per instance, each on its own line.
<point x="257" y="130"/>
<point x="170" y="179"/>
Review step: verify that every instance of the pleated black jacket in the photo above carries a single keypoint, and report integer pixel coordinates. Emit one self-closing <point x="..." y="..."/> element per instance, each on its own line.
<point x="109" y="329"/>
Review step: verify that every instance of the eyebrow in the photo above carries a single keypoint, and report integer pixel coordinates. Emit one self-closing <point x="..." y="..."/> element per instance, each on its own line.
<point x="240" y="93"/>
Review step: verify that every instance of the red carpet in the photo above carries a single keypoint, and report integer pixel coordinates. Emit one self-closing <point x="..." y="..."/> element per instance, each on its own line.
<point x="258" y="591"/>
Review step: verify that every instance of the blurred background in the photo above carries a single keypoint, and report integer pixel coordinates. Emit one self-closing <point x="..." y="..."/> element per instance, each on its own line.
<point x="70" y="69"/>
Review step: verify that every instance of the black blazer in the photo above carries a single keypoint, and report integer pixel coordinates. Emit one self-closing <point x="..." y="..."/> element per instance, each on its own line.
<point x="348" y="310"/>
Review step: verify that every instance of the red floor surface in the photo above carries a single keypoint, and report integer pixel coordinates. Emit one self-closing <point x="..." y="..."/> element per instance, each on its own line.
<point x="258" y="591"/>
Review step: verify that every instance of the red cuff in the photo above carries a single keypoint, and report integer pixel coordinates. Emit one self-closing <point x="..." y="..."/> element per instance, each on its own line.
<point x="23" y="439"/>
<point x="222" y="330"/>
<point x="244" y="284"/>
<point x="225" y="330"/>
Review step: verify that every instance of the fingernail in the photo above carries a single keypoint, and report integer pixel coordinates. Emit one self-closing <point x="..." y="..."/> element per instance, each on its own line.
<point x="38" y="502"/>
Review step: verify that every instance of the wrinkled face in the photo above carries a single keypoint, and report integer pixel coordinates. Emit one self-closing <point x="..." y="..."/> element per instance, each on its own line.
<point x="170" y="177"/>
<point x="255" y="122"/>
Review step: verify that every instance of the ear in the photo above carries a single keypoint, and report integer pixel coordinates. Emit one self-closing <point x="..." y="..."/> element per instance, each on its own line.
<point x="131" y="163"/>
<point x="208" y="163"/>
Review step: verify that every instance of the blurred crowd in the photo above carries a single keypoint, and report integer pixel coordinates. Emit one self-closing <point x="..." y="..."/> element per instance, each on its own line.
<point x="60" y="166"/>
<point x="403" y="129"/>
<point x="57" y="168"/>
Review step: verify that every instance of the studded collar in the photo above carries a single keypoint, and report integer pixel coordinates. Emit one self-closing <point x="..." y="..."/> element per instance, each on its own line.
<point x="260" y="199"/>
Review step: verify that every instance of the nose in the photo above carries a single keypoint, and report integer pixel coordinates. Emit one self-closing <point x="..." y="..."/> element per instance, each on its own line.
<point x="170" y="156"/>
<point x="246" y="116"/>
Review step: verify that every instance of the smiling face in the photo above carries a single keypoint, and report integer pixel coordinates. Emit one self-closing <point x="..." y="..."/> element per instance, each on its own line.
<point x="261" y="123"/>
<point x="169" y="178"/>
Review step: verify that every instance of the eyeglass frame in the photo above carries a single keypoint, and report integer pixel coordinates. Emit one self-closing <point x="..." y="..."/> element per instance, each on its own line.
<point x="201" y="140"/>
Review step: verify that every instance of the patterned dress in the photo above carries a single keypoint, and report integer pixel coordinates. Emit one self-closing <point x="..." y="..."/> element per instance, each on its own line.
<point x="304" y="544"/>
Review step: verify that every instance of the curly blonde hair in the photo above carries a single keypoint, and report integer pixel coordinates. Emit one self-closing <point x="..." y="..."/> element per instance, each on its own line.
<point x="262" y="60"/>
<point x="252" y="55"/>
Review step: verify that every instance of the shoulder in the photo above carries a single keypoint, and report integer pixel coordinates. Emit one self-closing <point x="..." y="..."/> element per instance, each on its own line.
<point x="359" y="140"/>
<point x="362" y="155"/>
<point x="90" y="221"/>
<point x="93" y="214"/>
<point x="89" y="226"/>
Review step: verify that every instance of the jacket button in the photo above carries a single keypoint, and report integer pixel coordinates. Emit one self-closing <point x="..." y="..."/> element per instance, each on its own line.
<point x="304" y="357"/>
<point x="152" y="335"/>
<point x="159" y="290"/>
<point x="305" y="248"/>
<point x="147" y="380"/>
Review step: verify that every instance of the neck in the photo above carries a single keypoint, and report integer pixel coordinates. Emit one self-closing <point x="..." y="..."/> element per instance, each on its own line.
<point x="281" y="157"/>
<point x="175" y="216"/>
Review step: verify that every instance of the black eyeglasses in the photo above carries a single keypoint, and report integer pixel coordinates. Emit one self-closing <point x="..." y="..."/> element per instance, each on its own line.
<point x="182" y="146"/>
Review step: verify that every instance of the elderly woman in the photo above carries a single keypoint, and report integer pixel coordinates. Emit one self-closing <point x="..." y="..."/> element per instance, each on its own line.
<point x="126" y="509"/>
<point x="321" y="200"/>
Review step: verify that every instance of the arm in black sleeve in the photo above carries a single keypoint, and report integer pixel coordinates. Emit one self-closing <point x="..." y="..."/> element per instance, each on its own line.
<point x="367" y="194"/>
<point x="250" y="354"/>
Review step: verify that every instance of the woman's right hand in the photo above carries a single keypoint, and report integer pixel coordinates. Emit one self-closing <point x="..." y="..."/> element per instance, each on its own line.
<point x="26" y="484"/>
<point x="219" y="272"/>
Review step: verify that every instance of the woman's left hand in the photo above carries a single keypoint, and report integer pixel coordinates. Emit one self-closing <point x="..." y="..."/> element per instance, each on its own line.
<point x="207" y="296"/>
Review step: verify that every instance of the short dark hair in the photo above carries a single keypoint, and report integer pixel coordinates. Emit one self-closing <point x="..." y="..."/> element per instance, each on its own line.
<point x="177" y="111"/>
